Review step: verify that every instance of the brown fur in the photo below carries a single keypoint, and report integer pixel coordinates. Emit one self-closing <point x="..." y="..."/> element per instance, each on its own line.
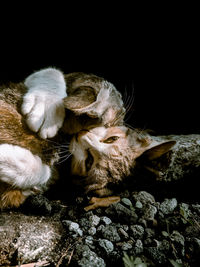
<point x="13" y="128"/>
<point x="117" y="160"/>
<point x="10" y="197"/>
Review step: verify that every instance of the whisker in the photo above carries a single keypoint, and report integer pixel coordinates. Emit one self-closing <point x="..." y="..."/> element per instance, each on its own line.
<point x="142" y="131"/>
<point x="59" y="162"/>
<point x="130" y="126"/>
<point x="64" y="156"/>
<point x="130" y="101"/>
<point x="125" y="96"/>
<point x="51" y="141"/>
<point x="119" y="117"/>
<point x="129" y="115"/>
<point x="61" y="146"/>
<point x="59" y="153"/>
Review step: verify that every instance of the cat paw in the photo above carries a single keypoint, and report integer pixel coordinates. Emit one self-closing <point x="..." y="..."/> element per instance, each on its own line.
<point x="44" y="114"/>
<point x="43" y="104"/>
<point x="22" y="169"/>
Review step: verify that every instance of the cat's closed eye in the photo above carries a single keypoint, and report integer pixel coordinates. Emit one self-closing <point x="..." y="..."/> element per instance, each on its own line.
<point x="89" y="161"/>
<point x="111" y="139"/>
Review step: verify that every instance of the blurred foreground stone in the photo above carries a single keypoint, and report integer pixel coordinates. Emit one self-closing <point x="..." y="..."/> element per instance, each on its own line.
<point x="25" y="239"/>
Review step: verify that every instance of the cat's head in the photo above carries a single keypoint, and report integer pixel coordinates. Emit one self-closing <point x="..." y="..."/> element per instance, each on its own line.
<point x="104" y="156"/>
<point x="91" y="102"/>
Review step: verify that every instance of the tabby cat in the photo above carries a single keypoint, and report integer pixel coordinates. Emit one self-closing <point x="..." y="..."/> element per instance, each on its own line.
<point x="82" y="105"/>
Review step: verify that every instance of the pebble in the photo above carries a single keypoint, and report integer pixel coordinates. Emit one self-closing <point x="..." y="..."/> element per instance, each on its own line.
<point x="138" y="247"/>
<point x="125" y="227"/>
<point x="177" y="237"/>
<point x="90" y="259"/>
<point x="94" y="220"/>
<point x="149" y="212"/>
<point x="168" y="206"/>
<point x="143" y="222"/>
<point x="110" y="233"/>
<point x="100" y="228"/>
<point x="123" y="233"/>
<point x="73" y="227"/>
<point x="138" y="205"/>
<point x="149" y="232"/>
<point x="126" y="246"/>
<point x="137" y="231"/>
<point x="156" y="255"/>
<point x="124" y="214"/>
<point x="106" y="220"/>
<point x="143" y="197"/>
<point x="89" y="240"/>
<point x="92" y="230"/>
<point x="84" y="223"/>
<point x="126" y="201"/>
<point x="165" y="245"/>
<point x="106" y="245"/>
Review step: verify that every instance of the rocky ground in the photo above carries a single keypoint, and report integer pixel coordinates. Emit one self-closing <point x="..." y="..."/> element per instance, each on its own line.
<point x="136" y="231"/>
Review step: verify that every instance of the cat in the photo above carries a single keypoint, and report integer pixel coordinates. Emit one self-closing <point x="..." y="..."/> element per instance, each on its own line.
<point x="91" y="102"/>
<point x="35" y="110"/>
<point x="104" y="151"/>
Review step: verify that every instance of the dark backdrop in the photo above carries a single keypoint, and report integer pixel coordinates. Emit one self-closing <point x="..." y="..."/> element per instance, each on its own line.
<point x="158" y="62"/>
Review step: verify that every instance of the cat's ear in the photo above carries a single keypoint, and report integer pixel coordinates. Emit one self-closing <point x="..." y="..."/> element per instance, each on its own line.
<point x="92" y="95"/>
<point x="157" y="151"/>
<point x="80" y="99"/>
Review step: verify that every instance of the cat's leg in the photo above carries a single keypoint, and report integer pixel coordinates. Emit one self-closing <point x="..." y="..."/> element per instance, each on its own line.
<point x="21" y="169"/>
<point x="12" y="198"/>
<point x="43" y="104"/>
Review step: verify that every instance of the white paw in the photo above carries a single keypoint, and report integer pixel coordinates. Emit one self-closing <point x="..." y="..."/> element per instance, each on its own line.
<point x="42" y="104"/>
<point x="44" y="114"/>
<point x="20" y="168"/>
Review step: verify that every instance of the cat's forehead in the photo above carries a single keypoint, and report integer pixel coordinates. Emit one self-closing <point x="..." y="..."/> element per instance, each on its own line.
<point x="120" y="131"/>
<point x="111" y="131"/>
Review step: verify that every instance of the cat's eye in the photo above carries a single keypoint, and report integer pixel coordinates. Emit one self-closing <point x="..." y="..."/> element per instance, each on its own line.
<point x="89" y="161"/>
<point x="111" y="139"/>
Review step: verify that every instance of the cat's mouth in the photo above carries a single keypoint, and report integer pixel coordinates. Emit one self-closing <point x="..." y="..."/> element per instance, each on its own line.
<point x="89" y="161"/>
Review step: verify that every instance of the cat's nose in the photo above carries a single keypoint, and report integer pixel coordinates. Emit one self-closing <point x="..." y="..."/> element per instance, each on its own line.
<point x="81" y="133"/>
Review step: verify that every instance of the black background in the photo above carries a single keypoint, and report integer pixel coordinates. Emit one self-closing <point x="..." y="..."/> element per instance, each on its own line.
<point x="156" y="54"/>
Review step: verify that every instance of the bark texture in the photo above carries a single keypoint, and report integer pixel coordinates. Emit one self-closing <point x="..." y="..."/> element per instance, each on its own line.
<point x="183" y="159"/>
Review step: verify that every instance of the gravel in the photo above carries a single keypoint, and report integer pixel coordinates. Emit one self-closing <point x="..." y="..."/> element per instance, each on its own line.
<point x="138" y="227"/>
<point x="156" y="233"/>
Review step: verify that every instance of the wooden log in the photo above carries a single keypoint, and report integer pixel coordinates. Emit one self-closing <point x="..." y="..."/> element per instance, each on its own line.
<point x="183" y="159"/>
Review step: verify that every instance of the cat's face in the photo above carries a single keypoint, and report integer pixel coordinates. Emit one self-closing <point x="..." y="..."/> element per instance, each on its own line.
<point x="90" y="146"/>
<point x="103" y="156"/>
